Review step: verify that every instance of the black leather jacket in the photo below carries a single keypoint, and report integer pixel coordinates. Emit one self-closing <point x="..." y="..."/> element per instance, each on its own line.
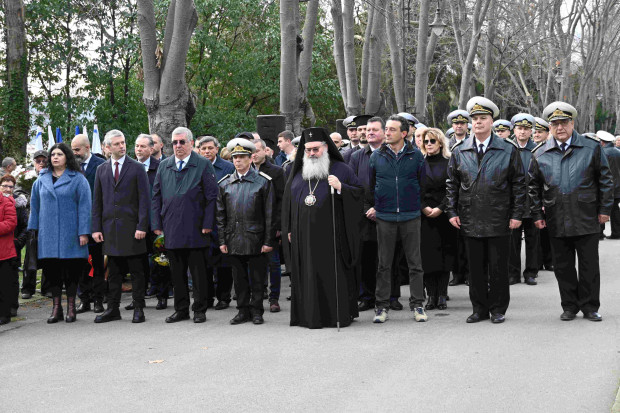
<point x="526" y="157"/>
<point x="574" y="187"/>
<point x="487" y="196"/>
<point x="613" y="156"/>
<point x="245" y="213"/>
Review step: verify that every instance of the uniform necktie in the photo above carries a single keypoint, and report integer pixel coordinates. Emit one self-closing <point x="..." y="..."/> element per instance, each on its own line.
<point x="564" y="145"/>
<point x="116" y="172"/>
<point x="180" y="165"/>
<point x="83" y="166"/>
<point x="480" y="152"/>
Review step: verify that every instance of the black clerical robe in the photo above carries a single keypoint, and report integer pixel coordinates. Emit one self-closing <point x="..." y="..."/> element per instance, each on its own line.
<point x="313" y="292"/>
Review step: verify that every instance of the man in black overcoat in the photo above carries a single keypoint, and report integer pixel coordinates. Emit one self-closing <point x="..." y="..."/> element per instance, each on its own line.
<point x="120" y="217"/>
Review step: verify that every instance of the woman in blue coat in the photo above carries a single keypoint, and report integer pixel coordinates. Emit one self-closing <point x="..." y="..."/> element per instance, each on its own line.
<point x="60" y="210"/>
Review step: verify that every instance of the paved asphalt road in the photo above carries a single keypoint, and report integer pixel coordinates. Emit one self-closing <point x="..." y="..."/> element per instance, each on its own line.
<point x="532" y="363"/>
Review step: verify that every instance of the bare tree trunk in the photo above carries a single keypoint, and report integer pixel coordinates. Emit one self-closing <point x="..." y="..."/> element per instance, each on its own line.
<point x="395" y="60"/>
<point x="367" y="49"/>
<point x="168" y="101"/>
<point x="353" y="105"/>
<point x="288" y="61"/>
<point x="480" y="11"/>
<point x="336" y="11"/>
<point x="305" y="65"/>
<point x="424" y="59"/>
<point x="489" y="84"/>
<point x="376" y="46"/>
<point x="17" y="114"/>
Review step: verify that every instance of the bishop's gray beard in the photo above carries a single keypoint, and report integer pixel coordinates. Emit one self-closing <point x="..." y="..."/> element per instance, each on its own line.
<point x="316" y="168"/>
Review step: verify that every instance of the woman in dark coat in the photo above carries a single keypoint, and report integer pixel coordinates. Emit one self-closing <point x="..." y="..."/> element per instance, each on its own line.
<point x="438" y="237"/>
<point x="60" y="210"/>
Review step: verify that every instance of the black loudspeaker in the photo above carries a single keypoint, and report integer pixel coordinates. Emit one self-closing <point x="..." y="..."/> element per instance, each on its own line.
<point x="268" y="127"/>
<point x="341" y="129"/>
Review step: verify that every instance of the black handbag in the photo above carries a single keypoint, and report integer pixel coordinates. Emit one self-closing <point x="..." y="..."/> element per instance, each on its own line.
<point x="31" y="262"/>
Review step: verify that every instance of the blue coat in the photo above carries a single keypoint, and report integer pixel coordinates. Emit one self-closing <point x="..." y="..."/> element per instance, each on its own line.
<point x="184" y="202"/>
<point x="222" y="168"/>
<point x="61" y="212"/>
<point x="91" y="170"/>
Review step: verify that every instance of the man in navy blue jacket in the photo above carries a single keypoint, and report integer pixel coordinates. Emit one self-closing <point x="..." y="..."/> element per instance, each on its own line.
<point x="394" y="197"/>
<point x="91" y="289"/>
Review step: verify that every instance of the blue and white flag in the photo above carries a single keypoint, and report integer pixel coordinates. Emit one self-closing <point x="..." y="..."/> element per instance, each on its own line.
<point x="50" y="138"/>
<point x="58" y="136"/>
<point x="96" y="147"/>
<point x="38" y="140"/>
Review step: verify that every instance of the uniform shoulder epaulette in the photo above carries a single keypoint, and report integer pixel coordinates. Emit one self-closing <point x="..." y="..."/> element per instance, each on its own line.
<point x="457" y="144"/>
<point x="264" y="175"/>
<point x="538" y="146"/>
<point x="223" y="178"/>
<point x="594" y="138"/>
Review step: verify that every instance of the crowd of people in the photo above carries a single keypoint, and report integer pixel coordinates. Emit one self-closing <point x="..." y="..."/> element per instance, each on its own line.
<point x="351" y="222"/>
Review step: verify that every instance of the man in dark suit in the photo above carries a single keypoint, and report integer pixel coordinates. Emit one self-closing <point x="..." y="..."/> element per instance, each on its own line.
<point x="183" y="208"/>
<point x="91" y="289"/>
<point x="158" y="276"/>
<point x="209" y="148"/>
<point x="120" y="216"/>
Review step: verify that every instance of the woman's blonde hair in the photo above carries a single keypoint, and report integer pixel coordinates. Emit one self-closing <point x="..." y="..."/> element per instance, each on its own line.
<point x="225" y="154"/>
<point x="441" y="138"/>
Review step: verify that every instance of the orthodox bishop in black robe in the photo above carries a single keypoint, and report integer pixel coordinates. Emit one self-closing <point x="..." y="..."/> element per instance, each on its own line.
<point x="307" y="218"/>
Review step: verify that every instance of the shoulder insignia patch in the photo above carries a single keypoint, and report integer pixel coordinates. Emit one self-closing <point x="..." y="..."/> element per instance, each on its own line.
<point x="264" y="175"/>
<point x="538" y="146"/>
<point x="224" y="178"/>
<point x="457" y="144"/>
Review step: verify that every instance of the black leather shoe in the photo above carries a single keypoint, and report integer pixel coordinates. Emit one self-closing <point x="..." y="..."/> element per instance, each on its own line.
<point x="131" y="306"/>
<point x="222" y="305"/>
<point x="258" y="319"/>
<point x="456" y="280"/>
<point x="431" y="304"/>
<point x="199" y="317"/>
<point x="498" y="318"/>
<point x="568" y="316"/>
<point x="549" y="267"/>
<point x="98" y="307"/>
<point x="162" y="304"/>
<point x="111" y="314"/>
<point x="138" y="316"/>
<point x="593" y="316"/>
<point x="4" y="321"/>
<point x="83" y="307"/>
<point x="178" y="316"/>
<point x="442" y="303"/>
<point x="476" y="317"/>
<point x="531" y="281"/>
<point x="365" y="305"/>
<point x="614" y="237"/>
<point x="240" y="319"/>
<point x="514" y="280"/>
<point x="26" y="296"/>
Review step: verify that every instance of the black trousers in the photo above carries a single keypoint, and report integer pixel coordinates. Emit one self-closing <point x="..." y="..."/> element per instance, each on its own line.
<point x="546" y="255"/>
<point x="118" y="267"/>
<point x="220" y="277"/>
<point x="615" y="219"/>
<point x="249" y="274"/>
<point x="532" y="250"/>
<point x="63" y="271"/>
<point x="9" y="286"/>
<point x="436" y="283"/>
<point x="194" y="260"/>
<point x="578" y="291"/>
<point x="488" y="291"/>
<point x="161" y="278"/>
<point x="461" y="272"/>
<point x="93" y="288"/>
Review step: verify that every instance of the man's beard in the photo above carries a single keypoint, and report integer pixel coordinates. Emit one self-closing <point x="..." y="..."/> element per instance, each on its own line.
<point x="79" y="158"/>
<point x="316" y="168"/>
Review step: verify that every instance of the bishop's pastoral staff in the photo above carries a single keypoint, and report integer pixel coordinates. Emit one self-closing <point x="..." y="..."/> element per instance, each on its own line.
<point x="324" y="289"/>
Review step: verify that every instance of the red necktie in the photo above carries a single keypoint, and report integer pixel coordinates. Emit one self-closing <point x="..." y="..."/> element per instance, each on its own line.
<point x="116" y="172"/>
